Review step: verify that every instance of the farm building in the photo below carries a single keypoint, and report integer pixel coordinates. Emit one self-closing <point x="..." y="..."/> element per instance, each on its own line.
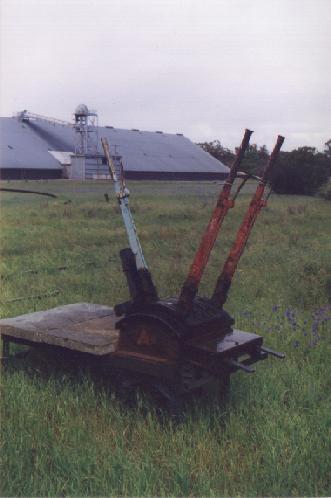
<point x="36" y="147"/>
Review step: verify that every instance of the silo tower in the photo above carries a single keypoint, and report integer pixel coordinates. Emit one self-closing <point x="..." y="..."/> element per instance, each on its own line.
<point x="86" y="126"/>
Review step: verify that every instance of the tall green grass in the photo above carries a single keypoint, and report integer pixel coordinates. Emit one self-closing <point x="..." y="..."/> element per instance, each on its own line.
<point x="64" y="432"/>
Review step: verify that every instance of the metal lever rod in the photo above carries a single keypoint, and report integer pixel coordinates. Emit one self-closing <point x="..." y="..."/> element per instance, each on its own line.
<point x="281" y="356"/>
<point x="224" y="203"/>
<point x="238" y="366"/>
<point x="256" y="204"/>
<point x="122" y="194"/>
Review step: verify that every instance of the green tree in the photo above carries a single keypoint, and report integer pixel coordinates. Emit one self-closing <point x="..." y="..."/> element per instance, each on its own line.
<point x="255" y="159"/>
<point x="302" y="171"/>
<point x="217" y="150"/>
<point x="327" y="149"/>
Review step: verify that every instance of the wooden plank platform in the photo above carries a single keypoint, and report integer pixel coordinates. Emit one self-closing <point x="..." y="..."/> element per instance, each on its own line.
<point x="88" y="328"/>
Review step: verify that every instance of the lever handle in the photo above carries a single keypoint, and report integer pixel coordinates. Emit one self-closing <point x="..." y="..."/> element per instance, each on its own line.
<point x="225" y="279"/>
<point x="191" y="284"/>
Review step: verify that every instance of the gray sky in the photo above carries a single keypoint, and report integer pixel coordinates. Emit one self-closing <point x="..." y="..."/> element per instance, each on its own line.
<point x="207" y="68"/>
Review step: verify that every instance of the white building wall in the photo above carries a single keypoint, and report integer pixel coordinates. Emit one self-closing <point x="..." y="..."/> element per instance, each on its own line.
<point x="77" y="168"/>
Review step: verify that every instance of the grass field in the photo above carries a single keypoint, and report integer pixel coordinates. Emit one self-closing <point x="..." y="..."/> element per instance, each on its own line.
<point x="64" y="433"/>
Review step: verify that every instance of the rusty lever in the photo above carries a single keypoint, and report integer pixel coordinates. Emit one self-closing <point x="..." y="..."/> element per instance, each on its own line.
<point x="257" y="203"/>
<point x="224" y="203"/>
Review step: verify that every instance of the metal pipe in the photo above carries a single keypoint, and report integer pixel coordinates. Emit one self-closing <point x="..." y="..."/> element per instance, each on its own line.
<point x="281" y="356"/>
<point x="21" y="191"/>
<point x="122" y="194"/>
<point x="224" y="203"/>
<point x="257" y="203"/>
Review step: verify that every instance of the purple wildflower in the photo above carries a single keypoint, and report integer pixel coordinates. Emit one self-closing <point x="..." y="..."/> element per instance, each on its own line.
<point x="290" y="315"/>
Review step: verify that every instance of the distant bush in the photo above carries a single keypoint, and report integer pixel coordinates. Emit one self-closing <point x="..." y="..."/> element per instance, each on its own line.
<point x="325" y="191"/>
<point x="302" y="171"/>
<point x="254" y="160"/>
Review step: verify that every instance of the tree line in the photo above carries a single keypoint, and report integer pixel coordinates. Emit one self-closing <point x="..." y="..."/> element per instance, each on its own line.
<point x="302" y="171"/>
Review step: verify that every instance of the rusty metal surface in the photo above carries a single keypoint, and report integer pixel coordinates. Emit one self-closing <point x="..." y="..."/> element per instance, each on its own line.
<point x="233" y="344"/>
<point x="224" y="203"/>
<point x="256" y="204"/>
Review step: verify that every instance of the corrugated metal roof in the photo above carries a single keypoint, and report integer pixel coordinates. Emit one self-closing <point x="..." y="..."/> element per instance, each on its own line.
<point x="141" y="150"/>
<point x="21" y="148"/>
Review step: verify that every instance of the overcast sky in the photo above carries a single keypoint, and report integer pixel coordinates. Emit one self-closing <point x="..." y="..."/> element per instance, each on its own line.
<point x="206" y="68"/>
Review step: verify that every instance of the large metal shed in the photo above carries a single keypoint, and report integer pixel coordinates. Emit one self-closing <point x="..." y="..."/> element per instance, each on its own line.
<point x="40" y="148"/>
